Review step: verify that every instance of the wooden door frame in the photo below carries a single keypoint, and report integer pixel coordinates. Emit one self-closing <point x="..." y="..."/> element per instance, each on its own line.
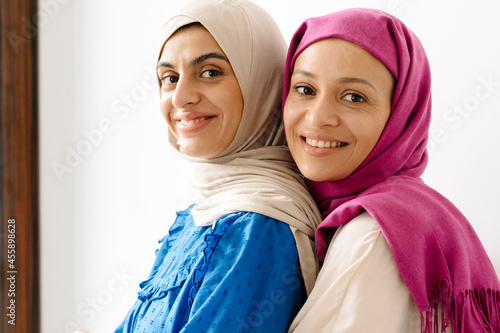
<point x="19" y="210"/>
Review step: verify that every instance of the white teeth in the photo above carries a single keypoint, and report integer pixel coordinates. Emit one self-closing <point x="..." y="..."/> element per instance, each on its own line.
<point x="324" y="144"/>
<point x="191" y="122"/>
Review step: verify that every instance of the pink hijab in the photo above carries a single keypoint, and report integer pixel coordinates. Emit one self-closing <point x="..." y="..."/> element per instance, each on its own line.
<point x="437" y="251"/>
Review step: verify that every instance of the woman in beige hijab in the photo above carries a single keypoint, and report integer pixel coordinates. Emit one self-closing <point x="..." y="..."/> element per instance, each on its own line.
<point x="241" y="258"/>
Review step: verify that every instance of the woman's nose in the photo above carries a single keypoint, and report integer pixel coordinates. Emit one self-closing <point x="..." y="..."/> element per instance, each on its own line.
<point x="323" y="112"/>
<point x="186" y="93"/>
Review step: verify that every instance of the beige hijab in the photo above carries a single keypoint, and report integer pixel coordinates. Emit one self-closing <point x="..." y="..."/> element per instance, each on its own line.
<point x="255" y="172"/>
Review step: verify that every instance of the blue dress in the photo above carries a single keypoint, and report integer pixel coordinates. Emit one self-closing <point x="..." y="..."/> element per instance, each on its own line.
<point x="241" y="275"/>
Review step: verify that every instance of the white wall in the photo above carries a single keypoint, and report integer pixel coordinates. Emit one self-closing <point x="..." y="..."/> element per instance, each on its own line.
<point x="102" y="213"/>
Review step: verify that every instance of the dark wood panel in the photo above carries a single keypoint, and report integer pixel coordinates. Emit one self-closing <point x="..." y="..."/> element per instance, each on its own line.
<point x="19" y="167"/>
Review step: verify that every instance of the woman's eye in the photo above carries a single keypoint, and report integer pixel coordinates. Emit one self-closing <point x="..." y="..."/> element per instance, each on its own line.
<point x="354" y="98"/>
<point x="169" y="79"/>
<point x="210" y="73"/>
<point x="303" y="90"/>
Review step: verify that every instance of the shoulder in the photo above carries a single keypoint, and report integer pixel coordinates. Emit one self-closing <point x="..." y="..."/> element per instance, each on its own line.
<point x="358" y="242"/>
<point x="363" y="228"/>
<point x="254" y="223"/>
<point x="249" y="232"/>
<point x="359" y="287"/>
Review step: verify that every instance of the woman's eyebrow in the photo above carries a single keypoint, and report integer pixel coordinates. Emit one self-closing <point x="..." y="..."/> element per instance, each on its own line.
<point x="211" y="55"/>
<point x="303" y="72"/>
<point x="196" y="61"/>
<point x="345" y="80"/>
<point x="342" y="80"/>
<point x="164" y="64"/>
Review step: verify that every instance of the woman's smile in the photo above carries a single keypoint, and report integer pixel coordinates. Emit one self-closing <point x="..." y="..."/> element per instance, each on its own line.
<point x="324" y="144"/>
<point x="318" y="145"/>
<point x="193" y="122"/>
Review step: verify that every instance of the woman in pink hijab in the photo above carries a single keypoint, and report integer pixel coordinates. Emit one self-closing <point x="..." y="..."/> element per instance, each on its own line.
<point x="397" y="256"/>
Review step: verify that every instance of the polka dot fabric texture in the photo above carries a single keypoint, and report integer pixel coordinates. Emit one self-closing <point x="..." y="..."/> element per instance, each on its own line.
<point x="241" y="275"/>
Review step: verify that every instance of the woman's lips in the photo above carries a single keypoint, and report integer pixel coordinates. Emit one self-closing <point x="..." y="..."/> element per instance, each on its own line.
<point x="324" y="143"/>
<point x="188" y="123"/>
<point x="318" y="147"/>
<point x="192" y="125"/>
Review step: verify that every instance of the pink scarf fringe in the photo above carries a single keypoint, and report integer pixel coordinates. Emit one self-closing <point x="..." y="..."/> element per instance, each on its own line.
<point x="463" y="312"/>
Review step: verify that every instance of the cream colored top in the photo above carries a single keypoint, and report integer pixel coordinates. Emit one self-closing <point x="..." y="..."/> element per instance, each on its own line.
<point x="359" y="288"/>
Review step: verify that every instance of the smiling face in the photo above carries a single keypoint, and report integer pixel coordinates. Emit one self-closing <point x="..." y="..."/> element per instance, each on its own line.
<point x="337" y="107"/>
<point x="199" y="97"/>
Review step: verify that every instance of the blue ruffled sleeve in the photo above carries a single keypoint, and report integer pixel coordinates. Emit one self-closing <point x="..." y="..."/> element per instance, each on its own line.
<point x="252" y="282"/>
<point x="241" y="275"/>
